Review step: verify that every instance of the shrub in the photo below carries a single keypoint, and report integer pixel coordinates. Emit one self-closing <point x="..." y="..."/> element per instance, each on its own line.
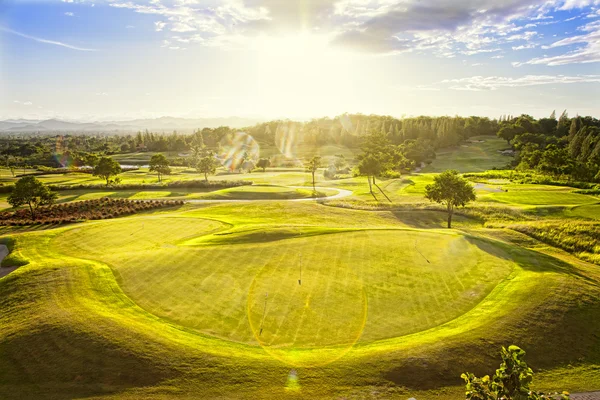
<point x="510" y="382"/>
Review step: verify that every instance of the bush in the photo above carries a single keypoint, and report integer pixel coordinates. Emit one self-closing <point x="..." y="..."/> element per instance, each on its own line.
<point x="510" y="382"/>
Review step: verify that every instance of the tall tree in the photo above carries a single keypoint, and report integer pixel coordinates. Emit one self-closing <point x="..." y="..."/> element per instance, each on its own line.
<point x="369" y="166"/>
<point x="29" y="190"/>
<point x="450" y="189"/>
<point x="107" y="168"/>
<point x="160" y="165"/>
<point x="312" y="166"/>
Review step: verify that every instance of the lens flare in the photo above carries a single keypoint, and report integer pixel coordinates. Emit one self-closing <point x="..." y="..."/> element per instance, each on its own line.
<point x="287" y="138"/>
<point x="346" y="123"/>
<point x="292" y="383"/>
<point x="61" y="153"/>
<point x="238" y="151"/>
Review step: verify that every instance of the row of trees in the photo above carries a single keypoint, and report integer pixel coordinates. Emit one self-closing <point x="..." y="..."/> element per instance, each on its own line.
<point x="563" y="147"/>
<point x="345" y="130"/>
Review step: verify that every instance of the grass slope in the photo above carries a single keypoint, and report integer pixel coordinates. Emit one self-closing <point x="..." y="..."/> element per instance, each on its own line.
<point x="69" y="330"/>
<point x="412" y="280"/>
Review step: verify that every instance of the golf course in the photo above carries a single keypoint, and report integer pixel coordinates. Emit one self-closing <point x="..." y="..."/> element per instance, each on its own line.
<point x="261" y="291"/>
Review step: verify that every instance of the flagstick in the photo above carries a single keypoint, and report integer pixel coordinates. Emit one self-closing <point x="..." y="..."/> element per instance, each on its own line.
<point x="300" y="280"/>
<point x="264" y="313"/>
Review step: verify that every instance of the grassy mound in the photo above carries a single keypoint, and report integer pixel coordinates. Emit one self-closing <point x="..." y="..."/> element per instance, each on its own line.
<point x="70" y="327"/>
<point x="412" y="281"/>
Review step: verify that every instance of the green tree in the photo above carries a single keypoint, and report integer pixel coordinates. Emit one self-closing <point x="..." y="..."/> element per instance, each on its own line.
<point x="450" y="189"/>
<point x="369" y="166"/>
<point x="160" y="165"/>
<point x="106" y="168"/>
<point x="29" y="190"/>
<point x="507" y="132"/>
<point x="263" y="163"/>
<point x="207" y="165"/>
<point x="511" y="381"/>
<point x="312" y="166"/>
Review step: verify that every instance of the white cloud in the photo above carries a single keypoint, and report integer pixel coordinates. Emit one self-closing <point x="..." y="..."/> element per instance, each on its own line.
<point x="101" y="94"/>
<point x="23" y="103"/>
<point x="589" y="52"/>
<point x="444" y="27"/>
<point x="524" y="47"/>
<point x="69" y="14"/>
<point x="46" y="41"/>
<point x="480" y="83"/>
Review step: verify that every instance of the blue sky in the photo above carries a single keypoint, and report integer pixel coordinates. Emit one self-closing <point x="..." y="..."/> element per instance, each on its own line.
<point x="123" y="59"/>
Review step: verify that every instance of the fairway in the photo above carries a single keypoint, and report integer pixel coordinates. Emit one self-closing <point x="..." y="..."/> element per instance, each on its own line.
<point x="355" y="285"/>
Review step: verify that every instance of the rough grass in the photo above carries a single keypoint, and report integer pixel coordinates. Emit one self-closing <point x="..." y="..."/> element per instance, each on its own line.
<point x="578" y="237"/>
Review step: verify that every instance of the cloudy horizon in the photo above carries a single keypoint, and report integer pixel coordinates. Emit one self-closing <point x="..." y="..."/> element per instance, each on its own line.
<point x="126" y="59"/>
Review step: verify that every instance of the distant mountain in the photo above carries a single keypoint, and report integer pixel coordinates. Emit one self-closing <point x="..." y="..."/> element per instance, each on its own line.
<point x="163" y="124"/>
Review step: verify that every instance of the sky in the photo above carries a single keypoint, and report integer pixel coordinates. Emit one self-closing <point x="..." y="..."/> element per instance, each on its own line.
<point x="99" y="60"/>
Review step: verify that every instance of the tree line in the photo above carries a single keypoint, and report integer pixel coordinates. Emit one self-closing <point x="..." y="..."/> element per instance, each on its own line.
<point x="563" y="148"/>
<point x="346" y="130"/>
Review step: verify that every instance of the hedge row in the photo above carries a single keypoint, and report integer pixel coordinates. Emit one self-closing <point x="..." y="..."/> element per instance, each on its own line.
<point x="104" y="208"/>
<point x="191" y="184"/>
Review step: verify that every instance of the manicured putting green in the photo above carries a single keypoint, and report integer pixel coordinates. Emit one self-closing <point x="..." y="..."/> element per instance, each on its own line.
<point x="355" y="286"/>
<point x="261" y="193"/>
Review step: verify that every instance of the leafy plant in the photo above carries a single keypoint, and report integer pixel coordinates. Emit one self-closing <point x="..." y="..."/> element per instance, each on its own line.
<point x="511" y="381"/>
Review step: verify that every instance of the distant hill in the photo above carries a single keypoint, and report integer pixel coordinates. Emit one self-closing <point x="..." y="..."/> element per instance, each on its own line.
<point x="163" y="124"/>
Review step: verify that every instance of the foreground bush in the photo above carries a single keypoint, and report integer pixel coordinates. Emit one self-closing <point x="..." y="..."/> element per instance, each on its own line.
<point x="104" y="208"/>
<point x="510" y="382"/>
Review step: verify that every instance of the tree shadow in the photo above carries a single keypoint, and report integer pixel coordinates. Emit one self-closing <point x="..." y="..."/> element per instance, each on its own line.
<point x="74" y="364"/>
<point x="527" y="259"/>
<point x="431" y="219"/>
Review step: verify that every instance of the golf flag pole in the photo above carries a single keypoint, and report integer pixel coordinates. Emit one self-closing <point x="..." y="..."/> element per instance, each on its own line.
<point x="264" y="313"/>
<point x="300" y="278"/>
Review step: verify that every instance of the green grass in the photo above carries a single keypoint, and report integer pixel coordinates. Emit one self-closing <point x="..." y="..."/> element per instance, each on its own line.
<point x="588" y="211"/>
<point x="170" y="304"/>
<point x="165" y="306"/>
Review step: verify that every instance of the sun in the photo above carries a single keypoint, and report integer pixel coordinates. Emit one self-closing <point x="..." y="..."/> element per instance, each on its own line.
<point x="298" y="72"/>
